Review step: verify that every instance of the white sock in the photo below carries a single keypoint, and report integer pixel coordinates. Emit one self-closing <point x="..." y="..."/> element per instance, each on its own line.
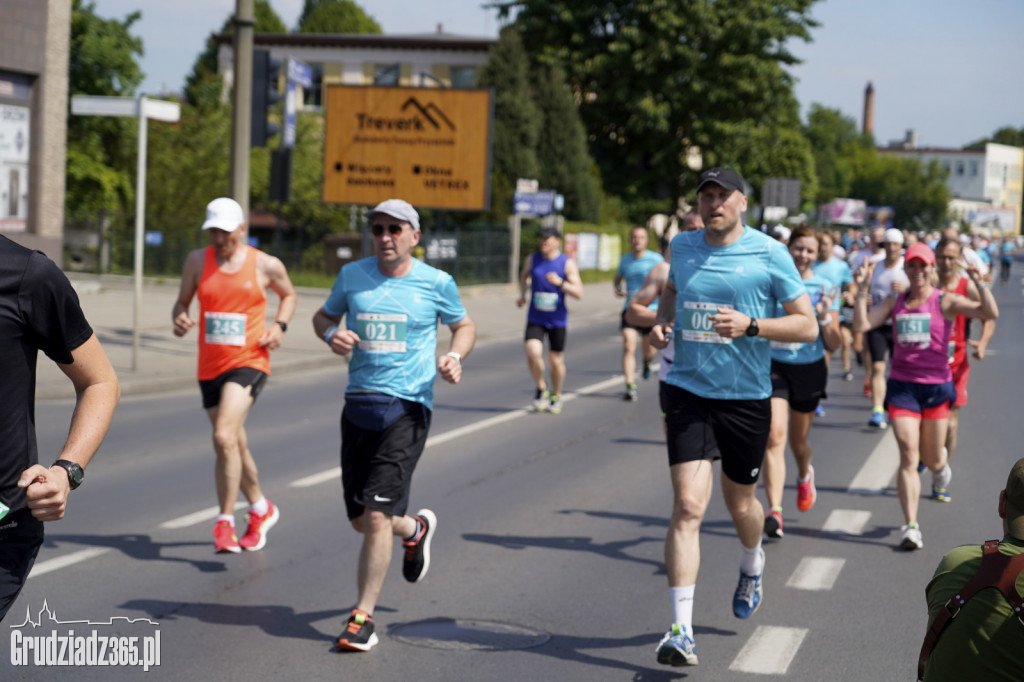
<point x="682" y="606"/>
<point x="751" y="563"/>
<point x="230" y="518"/>
<point x="260" y="506"/>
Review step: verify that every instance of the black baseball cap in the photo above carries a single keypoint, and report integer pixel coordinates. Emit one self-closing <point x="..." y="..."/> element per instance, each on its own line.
<point x="726" y="177"/>
<point x="546" y="232"/>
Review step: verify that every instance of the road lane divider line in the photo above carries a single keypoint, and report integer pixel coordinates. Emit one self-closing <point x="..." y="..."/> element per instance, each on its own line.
<point x="769" y="651"/>
<point x="57" y="563"/>
<point x="878" y="469"/>
<point x="334" y="473"/>
<point x="192" y="519"/>
<point x="815" y="573"/>
<point x="846" y="521"/>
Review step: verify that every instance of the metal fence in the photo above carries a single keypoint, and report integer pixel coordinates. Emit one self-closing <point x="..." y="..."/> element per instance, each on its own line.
<point x="476" y="253"/>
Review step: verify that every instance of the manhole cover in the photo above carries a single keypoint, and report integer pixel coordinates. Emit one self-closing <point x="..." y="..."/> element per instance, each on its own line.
<point x="468" y="635"/>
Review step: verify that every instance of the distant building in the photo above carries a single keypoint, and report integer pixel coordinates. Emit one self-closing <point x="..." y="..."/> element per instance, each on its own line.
<point x="422" y="60"/>
<point x="34" y="47"/>
<point x="981" y="180"/>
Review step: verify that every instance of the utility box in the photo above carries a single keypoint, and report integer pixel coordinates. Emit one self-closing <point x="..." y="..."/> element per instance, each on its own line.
<point x="341" y="249"/>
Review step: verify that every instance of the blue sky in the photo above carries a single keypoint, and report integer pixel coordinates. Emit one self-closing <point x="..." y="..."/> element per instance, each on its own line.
<point x="950" y="69"/>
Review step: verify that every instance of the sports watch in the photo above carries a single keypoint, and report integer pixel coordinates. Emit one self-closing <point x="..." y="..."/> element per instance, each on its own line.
<point x="752" y="330"/>
<point x="75" y="472"/>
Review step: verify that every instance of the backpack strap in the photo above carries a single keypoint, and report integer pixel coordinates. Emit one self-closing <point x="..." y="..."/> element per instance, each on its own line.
<point x="997" y="570"/>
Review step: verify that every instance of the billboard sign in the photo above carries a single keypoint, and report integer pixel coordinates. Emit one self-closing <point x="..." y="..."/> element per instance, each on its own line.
<point x="429" y="146"/>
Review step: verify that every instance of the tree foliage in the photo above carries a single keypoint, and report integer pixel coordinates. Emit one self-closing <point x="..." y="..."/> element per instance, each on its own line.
<point x="916" y="191"/>
<point x="1007" y="135"/>
<point x="335" y="16"/>
<point x="101" y="150"/>
<point x="516" y="119"/>
<point x="197" y="83"/>
<point x="836" y="146"/>
<point x="655" y="78"/>
<point x="564" y="162"/>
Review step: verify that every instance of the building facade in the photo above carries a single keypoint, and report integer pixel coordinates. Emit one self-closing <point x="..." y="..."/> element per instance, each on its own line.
<point x="992" y="175"/>
<point x="34" y="46"/>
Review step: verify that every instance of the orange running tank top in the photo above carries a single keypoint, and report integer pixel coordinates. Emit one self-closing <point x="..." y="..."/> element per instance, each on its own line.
<point x="232" y="318"/>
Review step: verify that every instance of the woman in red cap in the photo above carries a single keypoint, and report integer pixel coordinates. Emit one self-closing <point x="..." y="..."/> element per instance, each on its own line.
<point x="920" y="388"/>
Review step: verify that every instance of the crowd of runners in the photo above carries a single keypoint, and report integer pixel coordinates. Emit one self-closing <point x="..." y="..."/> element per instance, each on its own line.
<point x="742" y="324"/>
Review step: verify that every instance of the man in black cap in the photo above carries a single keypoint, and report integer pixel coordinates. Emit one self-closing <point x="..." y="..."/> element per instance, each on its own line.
<point x="549" y="275"/>
<point x="985" y="639"/>
<point x="720" y="307"/>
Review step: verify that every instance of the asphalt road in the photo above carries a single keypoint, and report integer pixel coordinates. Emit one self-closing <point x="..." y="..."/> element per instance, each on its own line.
<point x="550" y="534"/>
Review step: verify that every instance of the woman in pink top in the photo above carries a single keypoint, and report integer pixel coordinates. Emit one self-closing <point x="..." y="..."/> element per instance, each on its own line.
<point x="920" y="387"/>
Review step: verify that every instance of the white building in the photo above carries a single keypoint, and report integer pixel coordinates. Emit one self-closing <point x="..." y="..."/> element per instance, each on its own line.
<point x="992" y="175"/>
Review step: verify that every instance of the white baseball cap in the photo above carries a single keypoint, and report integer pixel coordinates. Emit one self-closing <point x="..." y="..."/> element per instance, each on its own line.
<point x="396" y="208"/>
<point x="224" y="214"/>
<point x="893" y="235"/>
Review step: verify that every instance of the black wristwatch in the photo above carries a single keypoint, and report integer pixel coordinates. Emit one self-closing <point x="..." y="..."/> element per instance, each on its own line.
<point x="283" y="325"/>
<point x="75" y="472"/>
<point x="752" y="330"/>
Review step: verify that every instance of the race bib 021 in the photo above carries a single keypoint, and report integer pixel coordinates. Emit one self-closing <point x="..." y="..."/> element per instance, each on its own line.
<point x="381" y="333"/>
<point x="695" y="323"/>
<point x="225" y="329"/>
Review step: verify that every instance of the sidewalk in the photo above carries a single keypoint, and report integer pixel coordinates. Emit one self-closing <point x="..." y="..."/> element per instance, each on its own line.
<point x="166" y="362"/>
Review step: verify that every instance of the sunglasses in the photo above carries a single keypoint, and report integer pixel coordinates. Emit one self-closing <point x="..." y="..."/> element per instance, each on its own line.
<point x="394" y="229"/>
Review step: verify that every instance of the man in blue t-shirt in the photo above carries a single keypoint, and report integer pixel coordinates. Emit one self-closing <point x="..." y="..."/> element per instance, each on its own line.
<point x="718" y="309"/>
<point x="550" y="276"/>
<point x="632" y="272"/>
<point x="391" y="305"/>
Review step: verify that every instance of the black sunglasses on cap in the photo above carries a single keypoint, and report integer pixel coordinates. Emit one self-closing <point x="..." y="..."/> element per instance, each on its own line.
<point x="394" y="229"/>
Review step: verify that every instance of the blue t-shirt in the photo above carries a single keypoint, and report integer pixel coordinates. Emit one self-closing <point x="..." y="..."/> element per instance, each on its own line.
<point x="634" y="271"/>
<point x="802" y="353"/>
<point x="396" y="320"/>
<point x="547" y="302"/>
<point x="1006" y="252"/>
<point x="751" y="275"/>
<point x="838" y="273"/>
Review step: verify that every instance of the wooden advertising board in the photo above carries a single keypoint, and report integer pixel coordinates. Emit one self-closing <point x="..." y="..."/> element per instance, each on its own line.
<point x="429" y="146"/>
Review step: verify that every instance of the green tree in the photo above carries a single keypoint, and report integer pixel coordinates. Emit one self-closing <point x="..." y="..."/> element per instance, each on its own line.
<point x="656" y="78"/>
<point x="565" y="164"/>
<point x="916" y="191"/>
<point x="197" y="83"/>
<point x="836" y="146"/>
<point x="335" y="16"/>
<point x="101" y="150"/>
<point x="516" y="120"/>
<point x="1013" y="137"/>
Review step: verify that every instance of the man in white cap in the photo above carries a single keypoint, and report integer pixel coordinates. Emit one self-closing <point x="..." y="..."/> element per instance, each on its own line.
<point x="887" y="280"/>
<point x="231" y="280"/>
<point x="391" y="304"/>
<point x="985" y="638"/>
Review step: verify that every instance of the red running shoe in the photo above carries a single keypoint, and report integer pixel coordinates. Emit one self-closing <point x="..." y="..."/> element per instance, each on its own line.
<point x="256" y="535"/>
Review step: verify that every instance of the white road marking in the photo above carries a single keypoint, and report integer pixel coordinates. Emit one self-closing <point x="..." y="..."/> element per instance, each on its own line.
<point x="57" y="563"/>
<point x="769" y="651"/>
<point x="192" y="519"/>
<point x="815" y="573"/>
<point x="334" y="473"/>
<point x="878" y="470"/>
<point x="847" y="521"/>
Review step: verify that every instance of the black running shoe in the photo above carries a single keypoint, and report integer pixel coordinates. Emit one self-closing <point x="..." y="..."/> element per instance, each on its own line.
<point x="417" y="550"/>
<point x="358" y="634"/>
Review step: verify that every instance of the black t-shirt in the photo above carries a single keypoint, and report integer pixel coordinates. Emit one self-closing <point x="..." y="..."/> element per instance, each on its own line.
<point x="39" y="310"/>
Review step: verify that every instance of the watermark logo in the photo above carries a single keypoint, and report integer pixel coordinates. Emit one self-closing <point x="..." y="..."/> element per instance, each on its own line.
<point x="79" y="643"/>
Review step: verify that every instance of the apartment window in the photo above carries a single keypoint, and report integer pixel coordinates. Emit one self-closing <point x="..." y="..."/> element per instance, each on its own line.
<point x="959" y="167"/>
<point x="463" y="76"/>
<point x="974" y="169"/>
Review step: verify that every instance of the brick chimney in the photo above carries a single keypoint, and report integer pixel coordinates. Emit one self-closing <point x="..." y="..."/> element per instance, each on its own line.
<point x="869" y="110"/>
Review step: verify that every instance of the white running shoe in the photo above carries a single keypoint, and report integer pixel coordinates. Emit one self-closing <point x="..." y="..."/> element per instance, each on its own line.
<point x="911" y="538"/>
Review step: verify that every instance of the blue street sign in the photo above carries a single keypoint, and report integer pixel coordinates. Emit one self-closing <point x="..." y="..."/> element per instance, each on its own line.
<point x="300" y="74"/>
<point x="534" y="203"/>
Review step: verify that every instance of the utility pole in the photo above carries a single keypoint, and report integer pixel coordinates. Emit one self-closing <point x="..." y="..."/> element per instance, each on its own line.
<point x="242" y="104"/>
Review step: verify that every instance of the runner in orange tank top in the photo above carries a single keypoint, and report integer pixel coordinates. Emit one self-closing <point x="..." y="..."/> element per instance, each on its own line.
<point x="231" y="280"/>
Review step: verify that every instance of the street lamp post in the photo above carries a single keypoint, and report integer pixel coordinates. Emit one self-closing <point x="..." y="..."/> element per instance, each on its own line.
<point x="144" y="109"/>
